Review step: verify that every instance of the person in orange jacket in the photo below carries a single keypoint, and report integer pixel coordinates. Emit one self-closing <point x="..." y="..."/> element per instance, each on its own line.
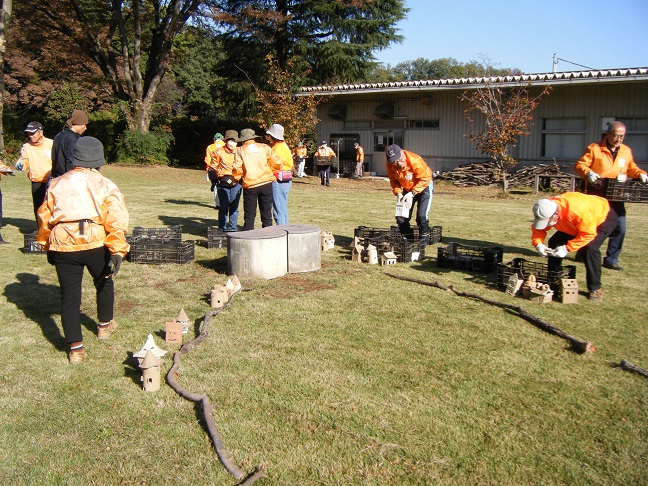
<point x="228" y="182"/>
<point x="326" y="157"/>
<point x="258" y="162"/>
<point x="36" y="158"/>
<point x="283" y="176"/>
<point x="300" y="153"/>
<point x="82" y="224"/>
<point x="582" y="223"/>
<point x="211" y="163"/>
<point x="359" y="159"/>
<point x="610" y="159"/>
<point x="411" y="181"/>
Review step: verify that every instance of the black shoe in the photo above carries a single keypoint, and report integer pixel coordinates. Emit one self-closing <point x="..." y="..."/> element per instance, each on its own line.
<point x="613" y="266"/>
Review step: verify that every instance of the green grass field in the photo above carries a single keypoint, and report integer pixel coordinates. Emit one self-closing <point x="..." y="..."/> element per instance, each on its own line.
<point x="340" y="376"/>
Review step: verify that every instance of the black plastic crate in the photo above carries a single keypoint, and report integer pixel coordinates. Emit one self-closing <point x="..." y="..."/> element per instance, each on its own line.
<point x="473" y="258"/>
<point x="216" y="238"/>
<point x="613" y="190"/>
<point x="160" y="235"/>
<point x="436" y="234"/>
<point x="153" y="252"/>
<point x="31" y="245"/>
<point x="405" y="250"/>
<point x="367" y="232"/>
<point x="524" y="268"/>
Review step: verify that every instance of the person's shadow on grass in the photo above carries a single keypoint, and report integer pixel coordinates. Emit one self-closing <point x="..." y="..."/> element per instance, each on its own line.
<point x="39" y="303"/>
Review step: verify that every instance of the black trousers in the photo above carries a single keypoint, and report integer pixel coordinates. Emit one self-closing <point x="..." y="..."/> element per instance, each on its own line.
<point x="590" y="253"/>
<point x="261" y="195"/>
<point x="39" y="189"/>
<point x="325" y="174"/>
<point x="423" y="201"/>
<point x="69" y="269"/>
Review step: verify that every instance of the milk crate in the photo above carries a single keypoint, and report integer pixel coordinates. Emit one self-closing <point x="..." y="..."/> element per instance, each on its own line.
<point x="524" y="268"/>
<point x="613" y="190"/>
<point x="31" y="245"/>
<point x="367" y="232"/>
<point x="409" y="251"/>
<point x="472" y="258"/>
<point x="155" y="252"/>
<point x="160" y="235"/>
<point x="216" y="238"/>
<point x="436" y="234"/>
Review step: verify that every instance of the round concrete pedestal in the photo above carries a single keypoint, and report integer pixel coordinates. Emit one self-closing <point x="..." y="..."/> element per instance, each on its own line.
<point x="261" y="253"/>
<point x="304" y="252"/>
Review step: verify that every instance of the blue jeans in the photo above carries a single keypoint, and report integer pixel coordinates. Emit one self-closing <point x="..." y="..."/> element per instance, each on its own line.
<point x="615" y="242"/>
<point x="280" y="192"/>
<point x="229" y="203"/>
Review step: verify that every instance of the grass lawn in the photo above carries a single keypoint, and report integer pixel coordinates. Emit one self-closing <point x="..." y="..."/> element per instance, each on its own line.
<point x="340" y="376"/>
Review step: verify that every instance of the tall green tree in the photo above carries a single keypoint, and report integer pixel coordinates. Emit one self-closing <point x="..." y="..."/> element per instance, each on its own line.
<point x="129" y="42"/>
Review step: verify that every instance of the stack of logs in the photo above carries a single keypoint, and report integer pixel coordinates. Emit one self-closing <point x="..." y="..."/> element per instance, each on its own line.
<point x="488" y="174"/>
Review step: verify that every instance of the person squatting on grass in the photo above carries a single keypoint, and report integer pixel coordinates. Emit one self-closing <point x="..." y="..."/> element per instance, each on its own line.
<point x="228" y="182"/>
<point x="610" y="159"/>
<point x="82" y="224"/>
<point x="36" y="158"/>
<point x="258" y="162"/>
<point x="283" y="176"/>
<point x="582" y="223"/>
<point x="411" y="181"/>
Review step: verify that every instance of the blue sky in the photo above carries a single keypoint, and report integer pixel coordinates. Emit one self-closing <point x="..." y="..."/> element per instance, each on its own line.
<point x="525" y="34"/>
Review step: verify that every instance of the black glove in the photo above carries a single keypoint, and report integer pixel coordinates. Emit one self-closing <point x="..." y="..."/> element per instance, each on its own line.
<point x="115" y="263"/>
<point x="213" y="185"/>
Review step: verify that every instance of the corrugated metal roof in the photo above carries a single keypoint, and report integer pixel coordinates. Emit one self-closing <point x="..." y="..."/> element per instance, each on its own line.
<point x="573" y="77"/>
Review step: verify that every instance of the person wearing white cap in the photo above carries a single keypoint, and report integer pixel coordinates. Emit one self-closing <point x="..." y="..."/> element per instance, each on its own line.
<point x="36" y="159"/>
<point x="283" y="175"/>
<point x="582" y="223"/>
<point x="325" y="154"/>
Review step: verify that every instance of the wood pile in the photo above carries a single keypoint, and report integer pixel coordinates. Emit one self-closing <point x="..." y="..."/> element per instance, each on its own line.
<point x="488" y="174"/>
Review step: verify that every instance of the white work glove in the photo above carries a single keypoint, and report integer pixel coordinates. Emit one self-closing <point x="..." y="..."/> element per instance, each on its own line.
<point x="643" y="178"/>
<point x="20" y="165"/>
<point x="399" y="197"/>
<point x="592" y="177"/>
<point x="408" y="199"/>
<point x="542" y="249"/>
<point x="560" y="252"/>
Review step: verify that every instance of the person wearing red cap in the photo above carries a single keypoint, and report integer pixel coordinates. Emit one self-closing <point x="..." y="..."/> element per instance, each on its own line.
<point x="65" y="140"/>
<point x="36" y="159"/>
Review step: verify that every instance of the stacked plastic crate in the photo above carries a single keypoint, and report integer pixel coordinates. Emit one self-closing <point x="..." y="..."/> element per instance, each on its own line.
<point x="160" y="245"/>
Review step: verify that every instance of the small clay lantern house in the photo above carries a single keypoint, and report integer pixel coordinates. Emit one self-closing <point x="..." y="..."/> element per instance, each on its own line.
<point x="233" y="285"/>
<point x="219" y="296"/>
<point x="150" y="367"/>
<point x="184" y="320"/>
<point x="173" y="331"/>
<point x="149" y="345"/>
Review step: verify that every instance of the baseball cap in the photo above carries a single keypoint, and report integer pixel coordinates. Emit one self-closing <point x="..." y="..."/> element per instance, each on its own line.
<point x="393" y="153"/>
<point x="33" y="127"/>
<point x="542" y="211"/>
<point x="323" y="142"/>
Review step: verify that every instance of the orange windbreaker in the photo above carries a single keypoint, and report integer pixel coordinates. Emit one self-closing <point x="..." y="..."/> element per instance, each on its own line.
<point x="578" y="215"/>
<point x="301" y="152"/>
<point x="415" y="176"/>
<point x="37" y="160"/>
<point x="78" y="195"/>
<point x="258" y="162"/>
<point x="324" y="151"/>
<point x="359" y="154"/>
<point x="282" y="151"/>
<point x="210" y="162"/>
<point x="598" y="158"/>
<point x="225" y="165"/>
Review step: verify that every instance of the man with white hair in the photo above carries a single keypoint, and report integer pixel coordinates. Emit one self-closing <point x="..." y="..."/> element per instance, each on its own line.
<point x="582" y="223"/>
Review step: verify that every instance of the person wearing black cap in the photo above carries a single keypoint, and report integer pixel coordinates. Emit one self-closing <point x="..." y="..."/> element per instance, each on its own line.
<point x="64" y="141"/>
<point x="82" y="224"/>
<point x="411" y="182"/>
<point x="36" y="158"/>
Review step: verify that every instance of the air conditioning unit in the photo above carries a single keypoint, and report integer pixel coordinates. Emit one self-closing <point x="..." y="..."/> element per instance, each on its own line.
<point x="338" y="112"/>
<point x="384" y="111"/>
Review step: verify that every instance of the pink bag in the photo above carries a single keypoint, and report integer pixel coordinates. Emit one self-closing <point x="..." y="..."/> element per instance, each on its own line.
<point x="284" y="175"/>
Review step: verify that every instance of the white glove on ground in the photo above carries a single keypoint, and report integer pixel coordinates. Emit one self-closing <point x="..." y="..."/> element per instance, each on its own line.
<point x="560" y="252"/>
<point x="408" y="199"/>
<point x="643" y="178"/>
<point x="592" y="177"/>
<point x="542" y="249"/>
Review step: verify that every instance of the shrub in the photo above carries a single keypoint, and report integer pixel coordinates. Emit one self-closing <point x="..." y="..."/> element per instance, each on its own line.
<point x="144" y="148"/>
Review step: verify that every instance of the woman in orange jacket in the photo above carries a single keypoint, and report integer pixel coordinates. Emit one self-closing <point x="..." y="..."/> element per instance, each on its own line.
<point x="82" y="224"/>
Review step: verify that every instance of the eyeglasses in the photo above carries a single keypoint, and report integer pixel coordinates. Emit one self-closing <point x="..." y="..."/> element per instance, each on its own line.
<point x="617" y="136"/>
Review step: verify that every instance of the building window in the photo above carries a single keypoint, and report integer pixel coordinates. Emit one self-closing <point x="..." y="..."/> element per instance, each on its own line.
<point x="636" y="136"/>
<point x="434" y="124"/>
<point x="357" y="125"/>
<point x="563" y="138"/>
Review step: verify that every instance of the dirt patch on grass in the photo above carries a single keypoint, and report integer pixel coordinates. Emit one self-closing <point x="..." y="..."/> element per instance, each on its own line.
<point x="294" y="283"/>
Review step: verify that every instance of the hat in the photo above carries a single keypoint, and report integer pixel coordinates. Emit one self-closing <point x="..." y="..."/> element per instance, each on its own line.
<point x="276" y="131"/>
<point x="393" y="153"/>
<point x="88" y="152"/>
<point x="33" y="127"/>
<point x="323" y="142"/>
<point x="77" y="117"/>
<point x="247" y="134"/>
<point x="356" y="145"/>
<point x="230" y="135"/>
<point x="218" y="136"/>
<point x="542" y="211"/>
<point x="299" y="144"/>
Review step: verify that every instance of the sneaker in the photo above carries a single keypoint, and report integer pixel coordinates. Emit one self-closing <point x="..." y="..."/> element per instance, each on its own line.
<point x="104" y="332"/>
<point x="613" y="266"/>
<point x="596" y="295"/>
<point x="77" y="356"/>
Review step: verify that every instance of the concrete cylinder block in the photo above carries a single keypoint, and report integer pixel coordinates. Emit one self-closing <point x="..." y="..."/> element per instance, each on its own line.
<point x="304" y="252"/>
<point x="260" y="253"/>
